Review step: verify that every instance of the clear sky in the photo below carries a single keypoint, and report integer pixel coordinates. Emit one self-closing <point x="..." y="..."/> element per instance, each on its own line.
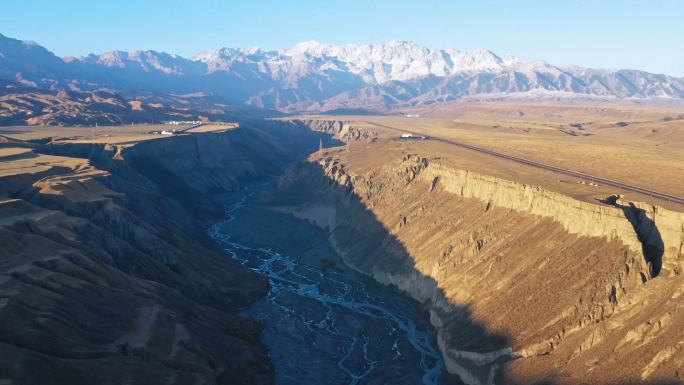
<point x="642" y="34"/>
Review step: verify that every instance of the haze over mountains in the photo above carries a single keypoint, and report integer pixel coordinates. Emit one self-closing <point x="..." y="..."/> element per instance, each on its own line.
<point x="312" y="76"/>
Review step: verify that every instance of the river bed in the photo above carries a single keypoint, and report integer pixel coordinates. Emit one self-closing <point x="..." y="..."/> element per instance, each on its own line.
<point x="325" y="324"/>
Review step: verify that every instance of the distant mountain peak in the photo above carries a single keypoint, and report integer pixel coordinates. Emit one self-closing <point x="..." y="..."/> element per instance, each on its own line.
<point x="308" y="45"/>
<point x="316" y="76"/>
<point x="30" y="43"/>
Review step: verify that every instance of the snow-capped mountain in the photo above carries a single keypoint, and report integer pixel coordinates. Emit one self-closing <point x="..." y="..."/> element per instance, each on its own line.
<point x="375" y="64"/>
<point x="313" y="76"/>
<point x="146" y="61"/>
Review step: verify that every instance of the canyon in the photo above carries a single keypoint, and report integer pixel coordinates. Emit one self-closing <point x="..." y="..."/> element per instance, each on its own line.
<point x="108" y="273"/>
<point x="341" y="193"/>
<point x="107" y="251"/>
<point x="555" y="295"/>
<point x="524" y="284"/>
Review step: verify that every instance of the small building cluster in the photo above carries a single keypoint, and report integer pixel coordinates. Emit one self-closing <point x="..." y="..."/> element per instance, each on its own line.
<point x="412" y="137"/>
<point x="163" y="132"/>
<point x="194" y="122"/>
<point x="181" y="122"/>
<point x="590" y="183"/>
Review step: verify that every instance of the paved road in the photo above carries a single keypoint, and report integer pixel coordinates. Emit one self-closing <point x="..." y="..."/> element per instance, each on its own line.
<point x="189" y="128"/>
<point x="576" y="174"/>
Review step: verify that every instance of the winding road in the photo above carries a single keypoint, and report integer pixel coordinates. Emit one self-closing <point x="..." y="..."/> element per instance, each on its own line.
<point x="544" y="166"/>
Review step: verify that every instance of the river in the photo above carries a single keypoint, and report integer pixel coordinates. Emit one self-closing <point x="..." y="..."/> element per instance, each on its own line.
<point x="331" y="325"/>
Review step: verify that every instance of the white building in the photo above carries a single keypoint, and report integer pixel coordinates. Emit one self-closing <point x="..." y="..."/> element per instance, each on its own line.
<point x="411" y="136"/>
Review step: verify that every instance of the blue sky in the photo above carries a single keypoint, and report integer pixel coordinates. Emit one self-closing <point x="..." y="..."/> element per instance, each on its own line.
<point x="646" y="34"/>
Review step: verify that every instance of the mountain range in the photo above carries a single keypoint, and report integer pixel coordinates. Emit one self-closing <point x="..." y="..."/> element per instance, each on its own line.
<point x="316" y="77"/>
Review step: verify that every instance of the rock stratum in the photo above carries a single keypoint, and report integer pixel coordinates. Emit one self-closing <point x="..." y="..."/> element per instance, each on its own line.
<point x="524" y="285"/>
<point x="108" y="275"/>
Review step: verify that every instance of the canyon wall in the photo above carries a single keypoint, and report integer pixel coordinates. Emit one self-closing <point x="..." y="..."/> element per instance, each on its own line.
<point x="524" y="285"/>
<point x="340" y="129"/>
<point x="635" y="224"/>
<point x="108" y="274"/>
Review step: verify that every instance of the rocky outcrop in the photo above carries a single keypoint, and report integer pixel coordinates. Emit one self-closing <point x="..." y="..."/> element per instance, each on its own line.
<point x="661" y="233"/>
<point x="343" y="130"/>
<point x="508" y="270"/>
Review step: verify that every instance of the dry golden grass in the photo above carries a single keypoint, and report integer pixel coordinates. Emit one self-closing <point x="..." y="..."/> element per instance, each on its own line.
<point x="119" y="135"/>
<point x="214" y="127"/>
<point x="32" y="163"/>
<point x="82" y="133"/>
<point x="13" y="151"/>
<point x="641" y="146"/>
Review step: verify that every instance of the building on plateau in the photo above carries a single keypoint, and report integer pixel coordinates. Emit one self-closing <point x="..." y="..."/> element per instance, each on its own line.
<point x="411" y="136"/>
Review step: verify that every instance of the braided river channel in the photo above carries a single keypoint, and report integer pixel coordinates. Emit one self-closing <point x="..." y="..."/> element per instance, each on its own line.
<point x="327" y="325"/>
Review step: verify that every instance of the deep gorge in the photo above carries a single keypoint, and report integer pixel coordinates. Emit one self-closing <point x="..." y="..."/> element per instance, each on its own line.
<point x="492" y="259"/>
<point x="133" y="280"/>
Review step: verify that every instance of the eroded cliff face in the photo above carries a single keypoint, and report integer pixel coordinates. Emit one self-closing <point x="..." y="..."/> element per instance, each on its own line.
<point x="564" y="289"/>
<point x="340" y="129"/>
<point x="637" y="225"/>
<point x="108" y="275"/>
<point x="661" y="233"/>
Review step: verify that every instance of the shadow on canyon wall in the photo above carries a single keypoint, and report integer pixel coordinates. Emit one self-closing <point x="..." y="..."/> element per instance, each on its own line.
<point x="646" y="230"/>
<point x="365" y="244"/>
<point x="122" y="284"/>
<point x="649" y="236"/>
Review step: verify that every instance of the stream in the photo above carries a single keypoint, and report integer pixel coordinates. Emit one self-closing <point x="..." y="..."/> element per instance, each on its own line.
<point x="326" y="325"/>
